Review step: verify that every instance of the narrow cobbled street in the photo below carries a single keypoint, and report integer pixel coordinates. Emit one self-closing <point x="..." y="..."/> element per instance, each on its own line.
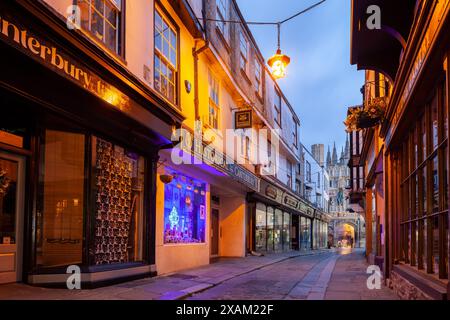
<point x="336" y="275"/>
<point x="332" y="276"/>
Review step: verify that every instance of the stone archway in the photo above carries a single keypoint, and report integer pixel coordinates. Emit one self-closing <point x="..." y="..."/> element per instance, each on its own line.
<point x="345" y="234"/>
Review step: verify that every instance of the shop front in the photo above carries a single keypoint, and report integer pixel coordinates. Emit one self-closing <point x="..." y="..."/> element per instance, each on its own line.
<point x="280" y="221"/>
<point x="77" y="176"/>
<point x="201" y="208"/>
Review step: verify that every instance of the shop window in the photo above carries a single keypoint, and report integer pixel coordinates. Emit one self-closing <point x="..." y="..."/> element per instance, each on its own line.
<point x="286" y="231"/>
<point x="184" y="210"/>
<point x="277" y="238"/>
<point x="261" y="225"/>
<point x="270" y="228"/>
<point x="59" y="230"/>
<point x="424" y="190"/>
<point x="166" y="58"/>
<point x="305" y="235"/>
<point x="119" y="199"/>
<point x="116" y="202"/>
<point x="102" y="19"/>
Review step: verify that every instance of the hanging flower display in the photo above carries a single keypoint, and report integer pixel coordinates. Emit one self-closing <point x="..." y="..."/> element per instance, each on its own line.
<point x="369" y="116"/>
<point x="4" y="182"/>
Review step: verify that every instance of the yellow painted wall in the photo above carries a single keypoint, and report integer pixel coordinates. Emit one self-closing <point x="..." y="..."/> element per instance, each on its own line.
<point x="232" y="227"/>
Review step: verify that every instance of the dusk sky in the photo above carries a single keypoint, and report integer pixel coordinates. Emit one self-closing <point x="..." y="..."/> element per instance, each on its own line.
<point x="321" y="83"/>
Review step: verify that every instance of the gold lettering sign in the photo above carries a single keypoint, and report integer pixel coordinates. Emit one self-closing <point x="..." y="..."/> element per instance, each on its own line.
<point x="62" y="64"/>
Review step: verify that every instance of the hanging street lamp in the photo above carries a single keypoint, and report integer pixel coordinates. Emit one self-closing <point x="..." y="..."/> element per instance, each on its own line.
<point x="278" y="62"/>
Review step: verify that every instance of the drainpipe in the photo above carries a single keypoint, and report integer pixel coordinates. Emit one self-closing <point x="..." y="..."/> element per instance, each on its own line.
<point x="195" y="53"/>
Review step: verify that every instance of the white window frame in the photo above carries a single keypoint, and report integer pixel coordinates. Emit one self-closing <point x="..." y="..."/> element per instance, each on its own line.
<point x="164" y="61"/>
<point x="222" y="15"/>
<point x="213" y="101"/>
<point x="258" y="77"/>
<point x="243" y="51"/>
<point x="117" y="4"/>
<point x="277" y="107"/>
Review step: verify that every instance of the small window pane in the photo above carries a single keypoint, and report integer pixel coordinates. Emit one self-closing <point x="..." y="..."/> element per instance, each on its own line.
<point x="110" y="37"/>
<point x="97" y="25"/>
<point x="435" y="123"/>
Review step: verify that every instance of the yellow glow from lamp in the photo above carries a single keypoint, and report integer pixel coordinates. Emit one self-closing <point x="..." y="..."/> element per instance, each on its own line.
<point x="278" y="64"/>
<point x="112" y="97"/>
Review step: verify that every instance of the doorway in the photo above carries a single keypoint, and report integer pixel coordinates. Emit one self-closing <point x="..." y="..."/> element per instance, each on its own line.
<point x="12" y="179"/>
<point x="214" y="233"/>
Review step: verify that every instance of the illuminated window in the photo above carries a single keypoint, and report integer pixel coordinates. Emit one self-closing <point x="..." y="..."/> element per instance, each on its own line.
<point x="214" y="109"/>
<point x="184" y="210"/>
<point x="102" y="19"/>
<point x="166" y="59"/>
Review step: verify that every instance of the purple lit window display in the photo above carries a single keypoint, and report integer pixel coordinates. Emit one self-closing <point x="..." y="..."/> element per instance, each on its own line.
<point x="184" y="210"/>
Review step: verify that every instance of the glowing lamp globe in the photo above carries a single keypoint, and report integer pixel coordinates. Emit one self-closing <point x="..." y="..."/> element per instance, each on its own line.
<point x="278" y="64"/>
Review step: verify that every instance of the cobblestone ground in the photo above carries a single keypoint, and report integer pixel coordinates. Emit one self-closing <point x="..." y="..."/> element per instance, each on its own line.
<point x="333" y="276"/>
<point x="322" y="275"/>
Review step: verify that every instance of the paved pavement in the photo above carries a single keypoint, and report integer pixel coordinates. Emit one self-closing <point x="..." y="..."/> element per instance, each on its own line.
<point x="321" y="275"/>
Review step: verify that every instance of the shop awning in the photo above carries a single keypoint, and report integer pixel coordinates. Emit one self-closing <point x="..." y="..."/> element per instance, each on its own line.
<point x="380" y="49"/>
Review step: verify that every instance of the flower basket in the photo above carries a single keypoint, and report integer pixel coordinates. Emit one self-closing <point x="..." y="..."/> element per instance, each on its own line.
<point x="369" y="116"/>
<point x="365" y="121"/>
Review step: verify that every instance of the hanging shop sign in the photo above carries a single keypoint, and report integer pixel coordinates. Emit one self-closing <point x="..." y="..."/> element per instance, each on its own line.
<point x="50" y="55"/>
<point x="243" y="119"/>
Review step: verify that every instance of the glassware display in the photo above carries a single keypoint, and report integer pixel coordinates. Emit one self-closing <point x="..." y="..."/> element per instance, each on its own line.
<point x="184" y="210"/>
<point x="114" y="208"/>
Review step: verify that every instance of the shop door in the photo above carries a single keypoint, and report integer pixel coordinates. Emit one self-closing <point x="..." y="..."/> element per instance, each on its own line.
<point x="11" y="217"/>
<point x="214" y="232"/>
